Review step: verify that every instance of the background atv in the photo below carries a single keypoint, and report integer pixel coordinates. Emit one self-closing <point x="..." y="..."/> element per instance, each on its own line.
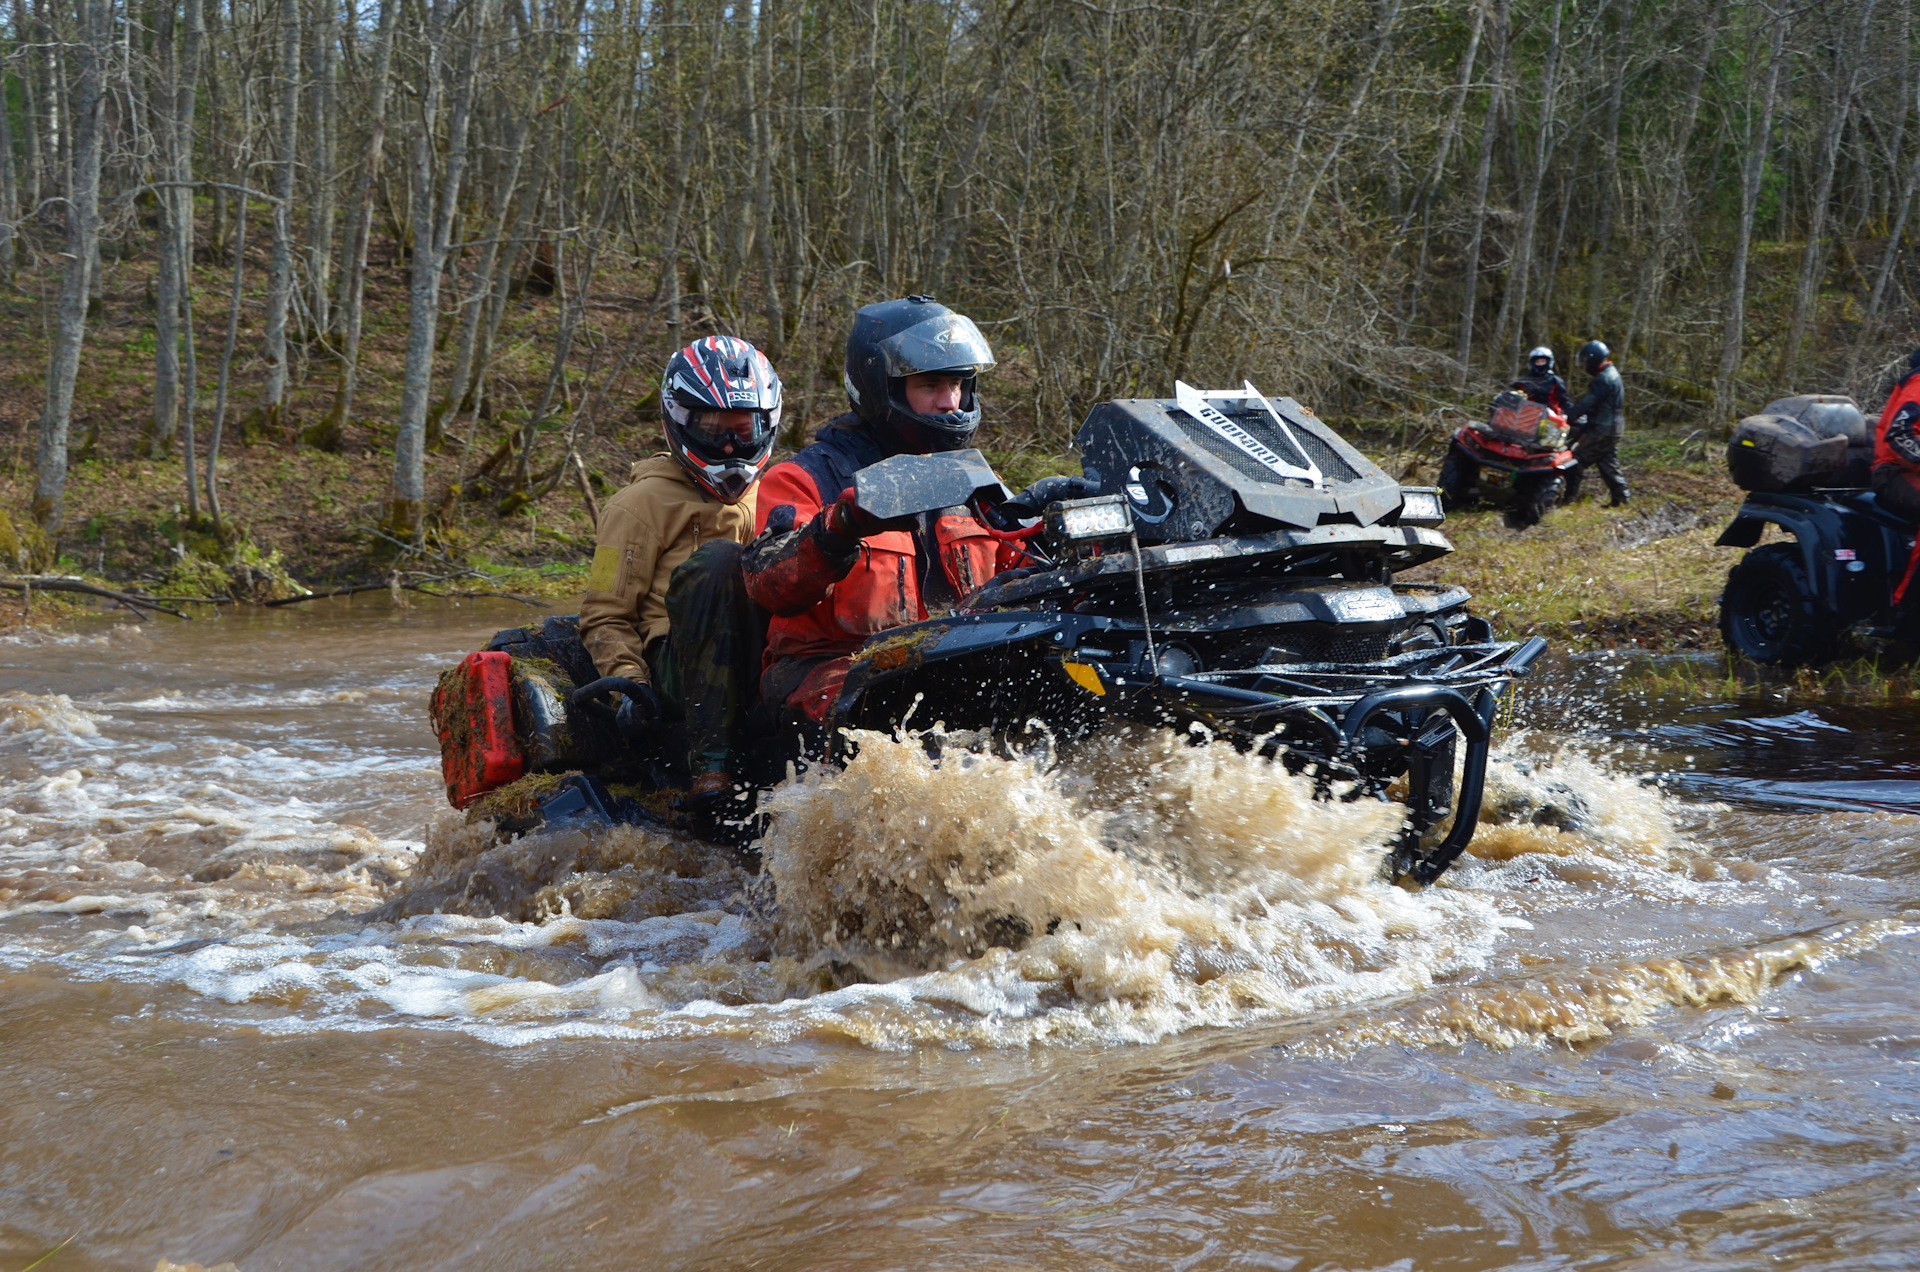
<point x="1804" y="462"/>
<point x="1235" y="573"/>
<point x="1518" y="456"/>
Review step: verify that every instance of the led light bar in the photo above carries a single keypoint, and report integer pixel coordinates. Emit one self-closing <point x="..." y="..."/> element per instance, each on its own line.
<point x="1421" y="506"/>
<point x="1084" y="520"/>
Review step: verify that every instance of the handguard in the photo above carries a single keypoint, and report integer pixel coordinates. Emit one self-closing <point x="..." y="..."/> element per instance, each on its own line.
<point x="909" y="485"/>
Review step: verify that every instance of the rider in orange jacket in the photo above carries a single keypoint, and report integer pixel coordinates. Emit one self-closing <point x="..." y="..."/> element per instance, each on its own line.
<point x="832" y="575"/>
<point x="1896" y="446"/>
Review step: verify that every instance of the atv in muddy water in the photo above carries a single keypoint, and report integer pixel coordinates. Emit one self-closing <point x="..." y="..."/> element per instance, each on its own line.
<point x="1232" y="579"/>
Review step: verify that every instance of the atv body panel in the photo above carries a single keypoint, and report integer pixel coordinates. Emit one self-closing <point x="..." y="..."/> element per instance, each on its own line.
<point x="1852" y="555"/>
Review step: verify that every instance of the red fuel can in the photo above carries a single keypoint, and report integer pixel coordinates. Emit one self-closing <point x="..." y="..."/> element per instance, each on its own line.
<point x="472" y="712"/>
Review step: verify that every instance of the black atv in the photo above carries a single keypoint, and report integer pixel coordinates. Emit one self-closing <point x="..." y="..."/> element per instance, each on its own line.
<point x="1791" y="603"/>
<point x="1232" y="579"/>
<point x="1804" y="462"/>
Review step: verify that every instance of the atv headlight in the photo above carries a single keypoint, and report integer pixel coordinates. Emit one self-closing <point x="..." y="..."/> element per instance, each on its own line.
<point x="1420" y="506"/>
<point x="1079" y="520"/>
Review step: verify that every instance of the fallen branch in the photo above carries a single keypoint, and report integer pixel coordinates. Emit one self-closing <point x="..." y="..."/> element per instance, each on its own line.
<point x="321" y="596"/>
<point x="60" y="583"/>
<point x="505" y="596"/>
<point x="419" y="587"/>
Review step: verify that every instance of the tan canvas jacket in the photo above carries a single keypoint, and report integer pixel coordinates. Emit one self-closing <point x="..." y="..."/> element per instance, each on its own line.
<point x="645" y="531"/>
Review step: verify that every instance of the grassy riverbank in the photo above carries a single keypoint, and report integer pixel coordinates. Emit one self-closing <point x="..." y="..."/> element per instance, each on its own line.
<point x="1647" y="575"/>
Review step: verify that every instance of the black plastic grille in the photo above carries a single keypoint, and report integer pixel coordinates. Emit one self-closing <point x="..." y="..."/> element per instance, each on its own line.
<point x="1329" y="647"/>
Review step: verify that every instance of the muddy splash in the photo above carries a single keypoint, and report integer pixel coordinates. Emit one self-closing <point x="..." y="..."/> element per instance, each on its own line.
<point x="269" y="1003"/>
<point x="932" y="891"/>
<point x="1143" y="888"/>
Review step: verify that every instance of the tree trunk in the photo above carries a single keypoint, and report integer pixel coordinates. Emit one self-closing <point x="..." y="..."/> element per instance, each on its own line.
<point x="329" y="433"/>
<point x="232" y="341"/>
<point x="1609" y="192"/>
<point x="169" y="139"/>
<point x="1513" y="304"/>
<point x="280" y="272"/>
<point x="1846" y="82"/>
<point x="1759" y="140"/>
<point x="9" y="188"/>
<point x="1489" y="135"/>
<point x="31" y="103"/>
<point x="1672" y="176"/>
<point x="405" y="508"/>
<point x="459" y="124"/>
<point x="762" y="107"/>
<point x="83" y="231"/>
<point x="1423" y="199"/>
<point x="496" y="258"/>
<point x="185" y="101"/>
<point x="320" y="217"/>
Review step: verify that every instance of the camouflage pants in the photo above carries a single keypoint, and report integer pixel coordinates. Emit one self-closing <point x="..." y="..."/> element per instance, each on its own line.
<point x="707" y="667"/>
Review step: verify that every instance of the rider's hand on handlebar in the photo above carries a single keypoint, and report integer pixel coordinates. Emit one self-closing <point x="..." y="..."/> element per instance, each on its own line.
<point x="1033" y="500"/>
<point x="639" y="709"/>
<point x="639" y="706"/>
<point x="850" y="521"/>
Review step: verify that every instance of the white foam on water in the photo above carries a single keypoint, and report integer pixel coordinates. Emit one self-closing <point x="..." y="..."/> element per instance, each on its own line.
<point x="1142" y="888"/>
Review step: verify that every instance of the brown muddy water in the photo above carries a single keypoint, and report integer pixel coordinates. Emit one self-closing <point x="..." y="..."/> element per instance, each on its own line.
<point x="1668" y="1016"/>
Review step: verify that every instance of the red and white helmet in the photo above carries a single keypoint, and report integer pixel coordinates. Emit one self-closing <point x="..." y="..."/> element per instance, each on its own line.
<point x="706" y="386"/>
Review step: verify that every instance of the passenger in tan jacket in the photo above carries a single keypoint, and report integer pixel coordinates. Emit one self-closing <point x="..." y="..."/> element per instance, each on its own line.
<point x="646" y="532"/>
<point x="666" y="611"/>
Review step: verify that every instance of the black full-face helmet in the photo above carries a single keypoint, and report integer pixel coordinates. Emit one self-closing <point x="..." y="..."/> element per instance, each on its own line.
<point x="1540" y="361"/>
<point x="915" y="336"/>
<point x="1594" y="355"/>
<point x="703" y="381"/>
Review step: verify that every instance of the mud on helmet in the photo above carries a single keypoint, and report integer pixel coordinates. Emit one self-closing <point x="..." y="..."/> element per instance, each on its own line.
<point x="1538" y="353"/>
<point x="721" y="373"/>
<point x="1592" y="354"/>
<point x="898" y="338"/>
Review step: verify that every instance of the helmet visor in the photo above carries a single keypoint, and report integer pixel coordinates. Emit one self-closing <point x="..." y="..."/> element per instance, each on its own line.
<point x="947" y="342"/>
<point x="725" y="435"/>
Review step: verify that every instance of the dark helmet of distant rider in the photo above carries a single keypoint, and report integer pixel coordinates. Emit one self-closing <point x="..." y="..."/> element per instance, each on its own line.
<point x="911" y="375"/>
<point x="720" y="401"/>
<point x="1593" y="355"/>
<point x="1540" y="362"/>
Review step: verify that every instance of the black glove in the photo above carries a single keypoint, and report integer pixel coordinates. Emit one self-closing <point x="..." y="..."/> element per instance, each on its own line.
<point x="1033" y="500"/>
<point x="639" y="708"/>
<point x="846" y="521"/>
<point x="638" y="712"/>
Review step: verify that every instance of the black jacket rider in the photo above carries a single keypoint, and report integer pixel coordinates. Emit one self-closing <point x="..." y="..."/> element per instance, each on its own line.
<point x="1547" y="390"/>
<point x="1603" y="405"/>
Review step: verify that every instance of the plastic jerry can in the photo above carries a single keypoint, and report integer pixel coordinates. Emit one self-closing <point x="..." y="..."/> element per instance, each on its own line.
<point x="472" y="713"/>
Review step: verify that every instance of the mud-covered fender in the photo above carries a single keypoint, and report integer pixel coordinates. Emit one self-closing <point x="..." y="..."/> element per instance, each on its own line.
<point x="1814" y="526"/>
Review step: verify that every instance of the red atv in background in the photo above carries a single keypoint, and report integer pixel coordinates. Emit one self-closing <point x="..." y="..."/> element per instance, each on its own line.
<point x="1518" y="456"/>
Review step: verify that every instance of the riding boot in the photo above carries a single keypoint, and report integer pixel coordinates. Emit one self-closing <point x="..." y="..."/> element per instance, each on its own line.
<point x="1571" y="477"/>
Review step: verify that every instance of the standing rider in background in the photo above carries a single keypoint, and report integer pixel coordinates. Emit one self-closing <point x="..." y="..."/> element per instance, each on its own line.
<point x="666" y="617"/>
<point x="833" y="575"/>
<point x="1542" y="385"/>
<point x="1896" y="446"/>
<point x="1599" y="419"/>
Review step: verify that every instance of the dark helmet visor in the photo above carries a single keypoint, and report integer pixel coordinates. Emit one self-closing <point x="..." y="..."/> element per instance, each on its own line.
<point x="722" y="435"/>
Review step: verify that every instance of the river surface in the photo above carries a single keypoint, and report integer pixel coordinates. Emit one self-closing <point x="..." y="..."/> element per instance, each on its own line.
<point x="1666" y="1016"/>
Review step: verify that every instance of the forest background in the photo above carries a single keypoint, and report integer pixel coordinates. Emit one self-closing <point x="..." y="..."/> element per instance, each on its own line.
<point x="380" y="288"/>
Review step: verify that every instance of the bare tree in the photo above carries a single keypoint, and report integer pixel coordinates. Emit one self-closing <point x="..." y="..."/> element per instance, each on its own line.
<point x="88" y="98"/>
<point x="1759" y="135"/>
<point x="432" y="222"/>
